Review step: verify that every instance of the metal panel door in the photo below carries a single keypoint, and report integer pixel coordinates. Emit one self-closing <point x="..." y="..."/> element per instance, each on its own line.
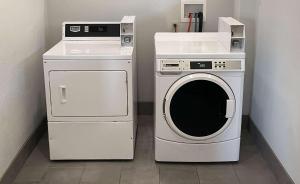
<point x="88" y="93"/>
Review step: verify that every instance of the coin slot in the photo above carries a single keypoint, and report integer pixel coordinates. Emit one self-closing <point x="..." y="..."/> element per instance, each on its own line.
<point x="171" y="65"/>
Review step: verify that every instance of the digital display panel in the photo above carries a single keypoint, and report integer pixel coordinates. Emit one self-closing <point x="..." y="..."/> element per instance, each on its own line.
<point x="201" y="65"/>
<point x="98" y="29"/>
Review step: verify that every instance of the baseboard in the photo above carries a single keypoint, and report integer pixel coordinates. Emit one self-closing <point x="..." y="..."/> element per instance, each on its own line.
<point x="145" y="108"/>
<point x="18" y="162"/>
<point x="268" y="154"/>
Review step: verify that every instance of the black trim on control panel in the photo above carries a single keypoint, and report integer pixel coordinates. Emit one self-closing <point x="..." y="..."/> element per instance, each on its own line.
<point x="92" y="30"/>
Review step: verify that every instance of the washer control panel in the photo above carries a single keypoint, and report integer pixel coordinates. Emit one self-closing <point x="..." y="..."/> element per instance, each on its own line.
<point x="178" y="65"/>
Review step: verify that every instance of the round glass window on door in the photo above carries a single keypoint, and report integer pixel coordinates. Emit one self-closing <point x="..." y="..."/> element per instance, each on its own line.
<point x="199" y="108"/>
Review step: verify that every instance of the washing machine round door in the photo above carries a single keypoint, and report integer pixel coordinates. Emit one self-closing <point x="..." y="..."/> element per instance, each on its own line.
<point x="199" y="106"/>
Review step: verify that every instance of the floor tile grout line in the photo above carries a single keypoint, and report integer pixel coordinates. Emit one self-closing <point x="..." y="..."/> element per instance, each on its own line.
<point x="158" y="174"/>
<point x="198" y="175"/>
<point x="44" y="175"/>
<point x="83" y="170"/>
<point x="236" y="174"/>
<point x="121" y="171"/>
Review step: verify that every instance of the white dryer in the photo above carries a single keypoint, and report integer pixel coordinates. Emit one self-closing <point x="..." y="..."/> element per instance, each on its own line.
<point x="91" y="92"/>
<point x="198" y="98"/>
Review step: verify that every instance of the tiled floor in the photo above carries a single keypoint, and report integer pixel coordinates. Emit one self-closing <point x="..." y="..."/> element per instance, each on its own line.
<point x="251" y="169"/>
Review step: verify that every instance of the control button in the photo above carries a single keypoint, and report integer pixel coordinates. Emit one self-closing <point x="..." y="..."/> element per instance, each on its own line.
<point x="86" y="29"/>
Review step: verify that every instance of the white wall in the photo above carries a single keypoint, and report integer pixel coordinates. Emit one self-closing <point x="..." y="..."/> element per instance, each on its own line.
<point x="237" y="8"/>
<point x="21" y="85"/>
<point x="152" y="16"/>
<point x="276" y="91"/>
<point x="245" y="11"/>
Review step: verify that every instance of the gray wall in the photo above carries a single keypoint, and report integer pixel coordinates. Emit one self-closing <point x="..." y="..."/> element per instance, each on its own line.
<point x="22" y="96"/>
<point x="276" y="90"/>
<point x="152" y="16"/>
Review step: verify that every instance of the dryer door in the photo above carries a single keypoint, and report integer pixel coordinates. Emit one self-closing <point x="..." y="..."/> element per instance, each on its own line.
<point x="199" y="106"/>
<point x="88" y="93"/>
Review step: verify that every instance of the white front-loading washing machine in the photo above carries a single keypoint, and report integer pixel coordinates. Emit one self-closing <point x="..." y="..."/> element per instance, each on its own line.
<point x="198" y="98"/>
<point x="91" y="92"/>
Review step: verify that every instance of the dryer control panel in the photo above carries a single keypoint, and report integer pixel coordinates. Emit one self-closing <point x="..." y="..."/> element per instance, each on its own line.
<point x="180" y="65"/>
<point x="123" y="31"/>
<point x="92" y="30"/>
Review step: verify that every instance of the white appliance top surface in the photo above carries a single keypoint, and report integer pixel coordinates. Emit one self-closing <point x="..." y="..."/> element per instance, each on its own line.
<point x="192" y="45"/>
<point x="67" y="50"/>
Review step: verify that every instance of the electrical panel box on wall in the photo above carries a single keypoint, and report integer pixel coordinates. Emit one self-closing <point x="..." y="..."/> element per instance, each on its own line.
<point x="192" y="6"/>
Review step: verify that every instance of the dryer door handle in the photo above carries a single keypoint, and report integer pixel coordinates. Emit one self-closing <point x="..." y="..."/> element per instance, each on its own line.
<point x="63" y="94"/>
<point x="230" y="107"/>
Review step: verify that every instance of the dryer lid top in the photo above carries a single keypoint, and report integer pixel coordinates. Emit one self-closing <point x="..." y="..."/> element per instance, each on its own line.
<point x="66" y="50"/>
